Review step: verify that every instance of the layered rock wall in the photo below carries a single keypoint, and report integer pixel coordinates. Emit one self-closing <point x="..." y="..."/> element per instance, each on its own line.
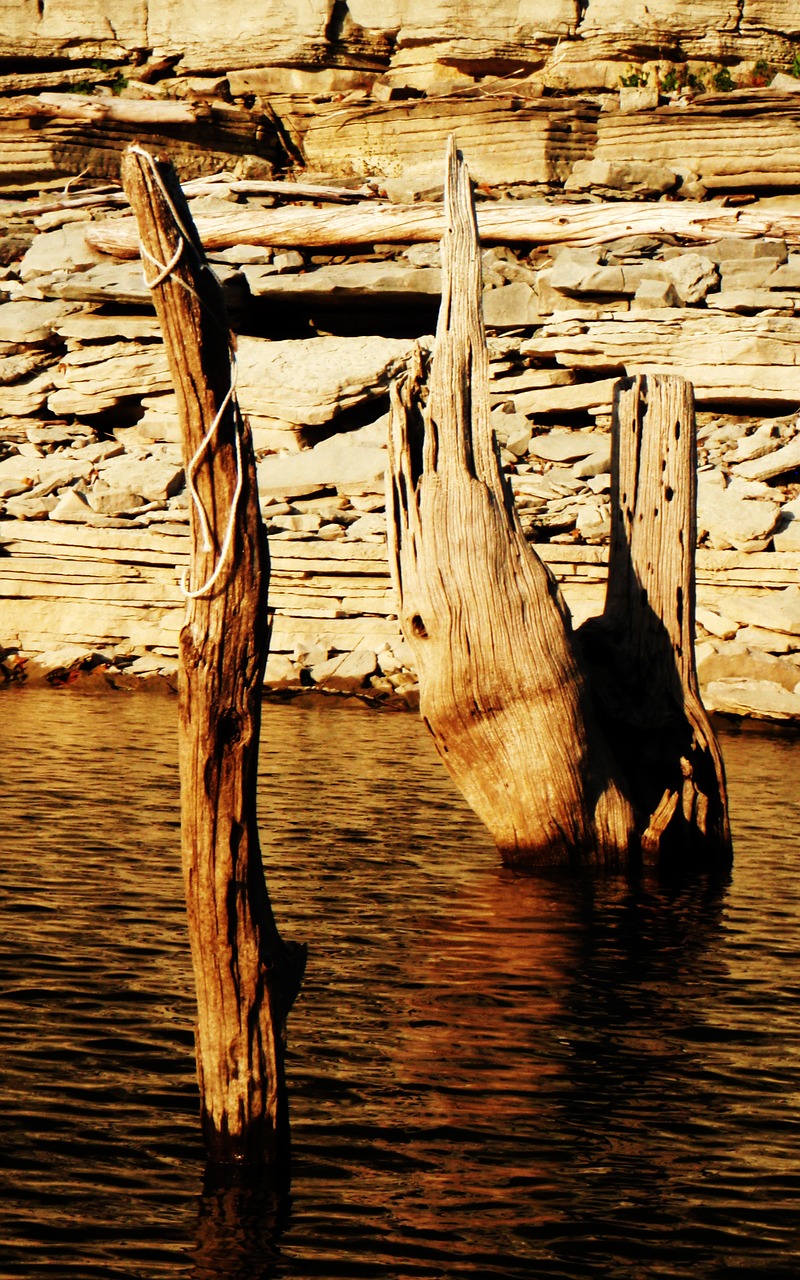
<point x="552" y="101"/>
<point x="93" y="509"/>
<point x="568" y="43"/>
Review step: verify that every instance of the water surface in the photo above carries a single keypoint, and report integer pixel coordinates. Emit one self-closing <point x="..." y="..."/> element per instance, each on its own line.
<point x="491" y="1075"/>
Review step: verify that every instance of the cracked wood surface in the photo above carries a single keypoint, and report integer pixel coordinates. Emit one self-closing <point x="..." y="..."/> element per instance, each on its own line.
<point x="520" y="221"/>
<point x="564" y="769"/>
<point x="501" y="688"/>
<point x="246" y="976"/>
<point x="642" y="649"/>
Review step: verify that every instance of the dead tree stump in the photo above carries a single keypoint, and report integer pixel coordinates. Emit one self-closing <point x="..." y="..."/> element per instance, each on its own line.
<point x="246" y="977"/>
<point x="501" y="687"/>
<point x="641" y="650"/>
<point x="504" y="686"/>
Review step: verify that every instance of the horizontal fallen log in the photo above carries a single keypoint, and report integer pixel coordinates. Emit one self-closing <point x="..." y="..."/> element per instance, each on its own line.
<point x="212" y="185"/>
<point x="282" y="190"/>
<point x="76" y="106"/>
<point x="38" y="81"/>
<point x="575" y="224"/>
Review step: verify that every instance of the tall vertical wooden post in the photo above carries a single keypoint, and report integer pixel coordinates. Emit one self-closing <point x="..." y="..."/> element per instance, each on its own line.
<point x="641" y="650"/>
<point x="246" y="976"/>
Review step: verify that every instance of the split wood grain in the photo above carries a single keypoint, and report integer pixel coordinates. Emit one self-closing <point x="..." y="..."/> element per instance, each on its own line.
<point x="568" y="764"/>
<point x="501" y="686"/>
<point x="246" y="976"/>
<point x="519" y="222"/>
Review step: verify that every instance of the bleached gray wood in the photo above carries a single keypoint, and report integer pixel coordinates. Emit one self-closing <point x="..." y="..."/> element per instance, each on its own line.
<point x="504" y="223"/>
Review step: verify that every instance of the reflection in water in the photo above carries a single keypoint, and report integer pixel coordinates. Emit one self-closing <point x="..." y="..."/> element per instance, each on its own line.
<point x="238" y="1228"/>
<point x="490" y="1074"/>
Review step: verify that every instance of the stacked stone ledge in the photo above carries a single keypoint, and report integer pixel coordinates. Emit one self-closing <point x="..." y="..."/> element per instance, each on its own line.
<point x="94" y="516"/>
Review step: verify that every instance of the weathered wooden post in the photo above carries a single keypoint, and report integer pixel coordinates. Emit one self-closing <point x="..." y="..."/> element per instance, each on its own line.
<point x="504" y="687"/>
<point x="641" y="650"/>
<point x="246" y="976"/>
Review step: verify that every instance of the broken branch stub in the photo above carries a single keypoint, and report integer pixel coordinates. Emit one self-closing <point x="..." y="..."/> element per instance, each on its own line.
<point x="501" y="687"/>
<point x="246" y="976"/>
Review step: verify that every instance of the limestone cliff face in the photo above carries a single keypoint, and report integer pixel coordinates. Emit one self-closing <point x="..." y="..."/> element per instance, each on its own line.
<point x="240" y="33"/>
<point x="99" y="28"/>
<point x="548" y="99"/>
<point x="228" y="32"/>
<point x="570" y="41"/>
<point x="508" y="24"/>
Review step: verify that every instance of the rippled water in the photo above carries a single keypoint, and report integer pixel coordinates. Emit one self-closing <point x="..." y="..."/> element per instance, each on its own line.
<point x="491" y="1075"/>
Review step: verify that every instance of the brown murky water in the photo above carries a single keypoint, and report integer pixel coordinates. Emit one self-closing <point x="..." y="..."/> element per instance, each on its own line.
<point x="491" y="1075"/>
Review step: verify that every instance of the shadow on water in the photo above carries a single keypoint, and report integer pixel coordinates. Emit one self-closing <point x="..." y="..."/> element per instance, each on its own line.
<point x="490" y="1075"/>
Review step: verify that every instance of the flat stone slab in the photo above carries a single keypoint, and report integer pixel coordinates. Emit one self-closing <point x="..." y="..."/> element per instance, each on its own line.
<point x="760" y="699"/>
<point x="737" y="661"/>
<point x="744" y="523"/>
<point x="151" y="479"/>
<point x="568" y="446"/>
<point x="123" y="282"/>
<point x="511" y="305"/>
<point x="309" y="381"/>
<point x="19" y="474"/>
<point x="777" y="463"/>
<point x="32" y="321"/>
<point x="787" y="534"/>
<point x="774" y="610"/>
<point x="347" y="281"/>
<point x="54" y="250"/>
<point x="330" y="465"/>
<point x="91" y="379"/>
<point x="345" y="673"/>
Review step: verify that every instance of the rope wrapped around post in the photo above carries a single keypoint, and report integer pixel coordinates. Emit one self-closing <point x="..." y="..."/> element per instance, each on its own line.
<point x="247" y="977"/>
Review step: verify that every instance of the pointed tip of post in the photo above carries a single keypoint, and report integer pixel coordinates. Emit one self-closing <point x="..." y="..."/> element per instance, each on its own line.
<point x="456" y="180"/>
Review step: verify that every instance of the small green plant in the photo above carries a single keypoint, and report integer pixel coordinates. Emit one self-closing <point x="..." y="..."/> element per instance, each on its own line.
<point x="87" y="87"/>
<point x="794" y="69"/>
<point x="679" y="78"/>
<point x="722" y="80"/>
<point x="762" y="74"/>
<point x="634" y="81"/>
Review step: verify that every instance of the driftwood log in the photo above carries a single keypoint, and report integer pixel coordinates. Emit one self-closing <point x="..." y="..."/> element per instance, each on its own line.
<point x="373" y="222"/>
<point x="504" y="687"/>
<point x="247" y="977"/>
<point x="214" y="184"/>
<point x="69" y="106"/>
